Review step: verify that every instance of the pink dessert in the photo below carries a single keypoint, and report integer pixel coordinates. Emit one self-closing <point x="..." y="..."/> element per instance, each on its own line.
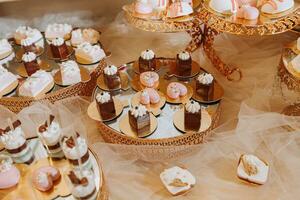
<point x="176" y="90"/>
<point x="143" y="7"/>
<point x="9" y="174"/>
<point x="248" y="12"/>
<point x="149" y="96"/>
<point x="149" y="79"/>
<point x="45" y="177"/>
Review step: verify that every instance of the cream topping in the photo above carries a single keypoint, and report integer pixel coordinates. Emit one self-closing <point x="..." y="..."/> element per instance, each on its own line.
<point x="35" y="79"/>
<point x="57" y="30"/>
<point x="72" y="153"/>
<point x="138" y="111"/>
<point x="184" y="55"/>
<point x="84" y="190"/>
<point x="28" y="57"/>
<point x="148" y="54"/>
<point x="13" y="139"/>
<point x="103" y="97"/>
<point x="52" y="134"/>
<point x="27" y="42"/>
<point x="58" y="41"/>
<point x="93" y="51"/>
<point x="24" y="32"/>
<point x="192" y="107"/>
<point x="110" y="70"/>
<point x="6" y="163"/>
<point x="5" y="46"/>
<point x="70" y="67"/>
<point x="205" y="78"/>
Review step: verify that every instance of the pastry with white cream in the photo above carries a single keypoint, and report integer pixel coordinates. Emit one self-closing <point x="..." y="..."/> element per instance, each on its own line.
<point x="70" y="73"/>
<point x="87" y="53"/>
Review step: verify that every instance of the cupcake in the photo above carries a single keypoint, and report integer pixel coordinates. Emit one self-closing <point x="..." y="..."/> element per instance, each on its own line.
<point x="5" y="49"/>
<point x="6" y="78"/>
<point x="112" y="77"/>
<point x="139" y="120"/>
<point x="58" y="31"/>
<point x="24" y="32"/>
<point x="30" y="62"/>
<point x="192" y="116"/>
<point x="51" y="135"/>
<point x="83" y="185"/>
<point x="80" y="36"/>
<point x="59" y="48"/>
<point x="15" y="143"/>
<point x="184" y="64"/>
<point x="9" y="174"/>
<point x="205" y="86"/>
<point x="75" y="150"/>
<point x="147" y="61"/>
<point x="105" y="106"/>
<point x="86" y="53"/>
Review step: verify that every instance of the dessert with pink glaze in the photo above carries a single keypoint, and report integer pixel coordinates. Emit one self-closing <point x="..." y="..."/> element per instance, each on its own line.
<point x="149" y="96"/>
<point x="9" y="174"/>
<point x="45" y="177"/>
<point x="176" y="90"/>
<point x="143" y="7"/>
<point x="149" y="79"/>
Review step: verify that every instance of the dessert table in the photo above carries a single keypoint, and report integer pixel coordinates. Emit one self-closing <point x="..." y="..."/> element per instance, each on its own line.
<point x="250" y="120"/>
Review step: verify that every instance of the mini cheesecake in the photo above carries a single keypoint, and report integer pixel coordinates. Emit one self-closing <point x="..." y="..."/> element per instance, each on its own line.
<point x="139" y="120"/>
<point x="112" y="77"/>
<point x="147" y="61"/>
<point x="59" y="48"/>
<point x="83" y="182"/>
<point x="184" y="64"/>
<point x="205" y="86"/>
<point x="14" y="141"/>
<point x="51" y="134"/>
<point x="192" y="116"/>
<point x="105" y="105"/>
<point x="30" y="63"/>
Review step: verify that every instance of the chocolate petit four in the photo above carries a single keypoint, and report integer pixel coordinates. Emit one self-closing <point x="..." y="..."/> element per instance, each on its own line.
<point x="59" y="48"/>
<point x="192" y="116"/>
<point x="147" y="61"/>
<point x="14" y="141"/>
<point x="75" y="150"/>
<point x="205" y="86"/>
<point x="50" y="132"/>
<point x="139" y="119"/>
<point x="83" y="184"/>
<point x="105" y="105"/>
<point x="30" y="63"/>
<point x="112" y="77"/>
<point x="184" y="64"/>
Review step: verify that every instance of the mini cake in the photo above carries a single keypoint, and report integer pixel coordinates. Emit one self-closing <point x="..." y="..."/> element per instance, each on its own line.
<point x="177" y="180"/>
<point x="248" y="12"/>
<point x="83" y="185"/>
<point x="139" y="120"/>
<point x="70" y="73"/>
<point x="147" y="61"/>
<point x="89" y="54"/>
<point x="30" y="63"/>
<point x="58" y="31"/>
<point x="105" y="105"/>
<point x="176" y="90"/>
<point x="149" y="96"/>
<point x="44" y="178"/>
<point x="179" y="9"/>
<point x="80" y="36"/>
<point x="149" y="79"/>
<point x="252" y="169"/>
<point x="192" y="116"/>
<point x="28" y="45"/>
<point x="5" y="49"/>
<point x="36" y="84"/>
<point x="24" y="32"/>
<point x="14" y="141"/>
<point x="6" y="78"/>
<point x="112" y="77"/>
<point x="51" y="134"/>
<point x="205" y="86"/>
<point x="277" y="6"/>
<point x="9" y="174"/>
<point x="184" y="64"/>
<point x="296" y="63"/>
<point x="75" y="150"/>
<point x="224" y="6"/>
<point x="143" y="7"/>
<point x="59" y="48"/>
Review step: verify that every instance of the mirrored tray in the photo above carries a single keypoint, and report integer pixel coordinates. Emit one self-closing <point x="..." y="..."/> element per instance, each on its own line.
<point x="160" y="24"/>
<point x="166" y="134"/>
<point x="24" y="189"/>
<point x="15" y="103"/>
<point x="265" y="25"/>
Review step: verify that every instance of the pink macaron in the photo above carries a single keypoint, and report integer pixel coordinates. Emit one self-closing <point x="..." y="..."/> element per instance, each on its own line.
<point x="9" y="177"/>
<point x="149" y="79"/>
<point x="152" y="94"/>
<point x="176" y="90"/>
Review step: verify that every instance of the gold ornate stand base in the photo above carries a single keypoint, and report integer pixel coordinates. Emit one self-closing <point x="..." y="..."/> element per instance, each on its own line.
<point x="288" y="79"/>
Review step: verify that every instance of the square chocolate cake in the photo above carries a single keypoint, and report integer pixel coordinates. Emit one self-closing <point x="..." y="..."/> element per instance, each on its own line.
<point x="205" y="86"/>
<point x="184" y="64"/>
<point x="147" y="61"/>
<point x="105" y="105"/>
<point x="112" y="77"/>
<point x="139" y="120"/>
<point x="59" y="48"/>
<point x="192" y="116"/>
